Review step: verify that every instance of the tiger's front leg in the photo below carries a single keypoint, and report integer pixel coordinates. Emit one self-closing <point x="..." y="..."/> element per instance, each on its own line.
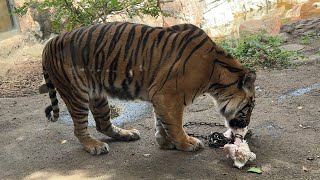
<point x="162" y="137"/>
<point x="169" y="112"/>
<point x="101" y="113"/>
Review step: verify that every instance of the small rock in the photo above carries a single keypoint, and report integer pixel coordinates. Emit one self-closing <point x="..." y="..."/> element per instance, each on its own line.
<point x="299" y="107"/>
<point x="292" y="47"/>
<point x="310" y="158"/>
<point x="258" y="88"/>
<point x="146" y="155"/>
<point x="304" y="169"/>
<point x="63" y="141"/>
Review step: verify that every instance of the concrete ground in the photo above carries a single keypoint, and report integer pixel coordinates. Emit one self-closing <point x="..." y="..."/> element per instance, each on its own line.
<point x="285" y="123"/>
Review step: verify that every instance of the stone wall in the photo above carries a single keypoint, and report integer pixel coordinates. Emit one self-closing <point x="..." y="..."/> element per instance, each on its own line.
<point x="5" y="18"/>
<point x="217" y="17"/>
<point x="302" y="27"/>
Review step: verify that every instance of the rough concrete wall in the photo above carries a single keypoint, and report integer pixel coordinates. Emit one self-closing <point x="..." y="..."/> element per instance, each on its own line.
<point x="5" y="19"/>
<point x="217" y="17"/>
<point x="26" y="22"/>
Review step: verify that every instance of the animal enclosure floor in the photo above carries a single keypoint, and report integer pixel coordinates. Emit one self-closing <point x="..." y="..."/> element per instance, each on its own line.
<point x="285" y="138"/>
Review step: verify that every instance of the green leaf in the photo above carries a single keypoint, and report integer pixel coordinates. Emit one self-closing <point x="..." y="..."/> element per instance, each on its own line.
<point x="254" y="170"/>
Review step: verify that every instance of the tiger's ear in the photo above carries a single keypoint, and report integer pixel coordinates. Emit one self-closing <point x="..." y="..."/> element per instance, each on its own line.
<point x="248" y="82"/>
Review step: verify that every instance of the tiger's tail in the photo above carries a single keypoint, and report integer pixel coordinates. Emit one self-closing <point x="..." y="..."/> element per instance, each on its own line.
<point x="53" y="97"/>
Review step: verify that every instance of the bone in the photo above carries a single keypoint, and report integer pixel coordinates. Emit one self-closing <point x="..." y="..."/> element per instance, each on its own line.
<point x="228" y="134"/>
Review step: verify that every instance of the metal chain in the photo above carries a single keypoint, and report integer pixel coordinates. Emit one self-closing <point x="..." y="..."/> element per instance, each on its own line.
<point x="211" y="124"/>
<point x="214" y="139"/>
<point x="197" y="135"/>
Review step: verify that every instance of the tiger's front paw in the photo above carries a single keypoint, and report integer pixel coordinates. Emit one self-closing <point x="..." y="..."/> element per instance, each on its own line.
<point x="95" y="147"/>
<point x="190" y="144"/>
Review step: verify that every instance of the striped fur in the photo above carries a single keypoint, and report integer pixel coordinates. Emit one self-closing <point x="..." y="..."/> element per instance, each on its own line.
<point x="169" y="67"/>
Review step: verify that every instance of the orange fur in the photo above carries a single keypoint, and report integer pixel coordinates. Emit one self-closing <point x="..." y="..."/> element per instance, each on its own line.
<point x="170" y="67"/>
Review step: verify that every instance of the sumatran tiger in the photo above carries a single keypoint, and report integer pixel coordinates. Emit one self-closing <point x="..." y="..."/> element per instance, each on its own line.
<point x="169" y="67"/>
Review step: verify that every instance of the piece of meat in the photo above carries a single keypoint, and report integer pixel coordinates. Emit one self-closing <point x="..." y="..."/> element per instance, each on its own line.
<point x="240" y="153"/>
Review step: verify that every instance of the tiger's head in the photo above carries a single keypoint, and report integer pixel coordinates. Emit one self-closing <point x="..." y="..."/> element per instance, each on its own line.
<point x="236" y="100"/>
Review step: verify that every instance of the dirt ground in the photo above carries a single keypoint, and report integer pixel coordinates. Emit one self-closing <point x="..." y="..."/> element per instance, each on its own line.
<point x="285" y="125"/>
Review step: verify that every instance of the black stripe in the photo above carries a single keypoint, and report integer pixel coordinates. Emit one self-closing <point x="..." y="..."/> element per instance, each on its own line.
<point x="188" y="43"/>
<point x="100" y="38"/>
<point x="116" y="37"/>
<point x="164" y="47"/>
<point x="104" y="116"/>
<point x="146" y="38"/>
<point x="195" y="94"/>
<point x="53" y="95"/>
<point x="227" y="66"/>
<point x="81" y="122"/>
<point x="151" y="51"/>
<point x="108" y="127"/>
<point x="112" y="70"/>
<point x="217" y="86"/>
<point x="129" y="41"/>
<point x="101" y="51"/>
<point x="48" y="110"/>
<point x="74" y="50"/>
<point x="185" y="37"/>
<point x="55" y="102"/>
<point x="85" y="52"/>
<point x="46" y="76"/>
<point x="60" y="65"/>
<point x="50" y="85"/>
<point x="178" y="58"/>
<point x="137" y="89"/>
<point x="173" y="44"/>
<point x="103" y="102"/>
<point x="194" y="49"/>
<point x="138" y="47"/>
<point x="164" y="123"/>
<point x="159" y="37"/>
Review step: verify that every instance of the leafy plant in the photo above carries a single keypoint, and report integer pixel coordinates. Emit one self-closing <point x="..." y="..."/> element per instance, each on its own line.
<point x="305" y="39"/>
<point x="260" y="51"/>
<point x="68" y="14"/>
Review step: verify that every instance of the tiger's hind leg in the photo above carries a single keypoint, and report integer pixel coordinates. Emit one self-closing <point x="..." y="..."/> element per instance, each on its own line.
<point x="78" y="108"/>
<point x="101" y="113"/>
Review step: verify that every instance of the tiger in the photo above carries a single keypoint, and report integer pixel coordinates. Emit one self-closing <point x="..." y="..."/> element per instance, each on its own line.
<point x="167" y="66"/>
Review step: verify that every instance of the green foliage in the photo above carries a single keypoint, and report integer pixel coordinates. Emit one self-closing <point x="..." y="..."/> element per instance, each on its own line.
<point x="260" y="51"/>
<point x="69" y="14"/>
<point x="306" y="39"/>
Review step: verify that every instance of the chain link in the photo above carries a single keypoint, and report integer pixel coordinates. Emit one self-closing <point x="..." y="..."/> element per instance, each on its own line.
<point x="211" y="124"/>
<point x="197" y="135"/>
<point x="214" y="139"/>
